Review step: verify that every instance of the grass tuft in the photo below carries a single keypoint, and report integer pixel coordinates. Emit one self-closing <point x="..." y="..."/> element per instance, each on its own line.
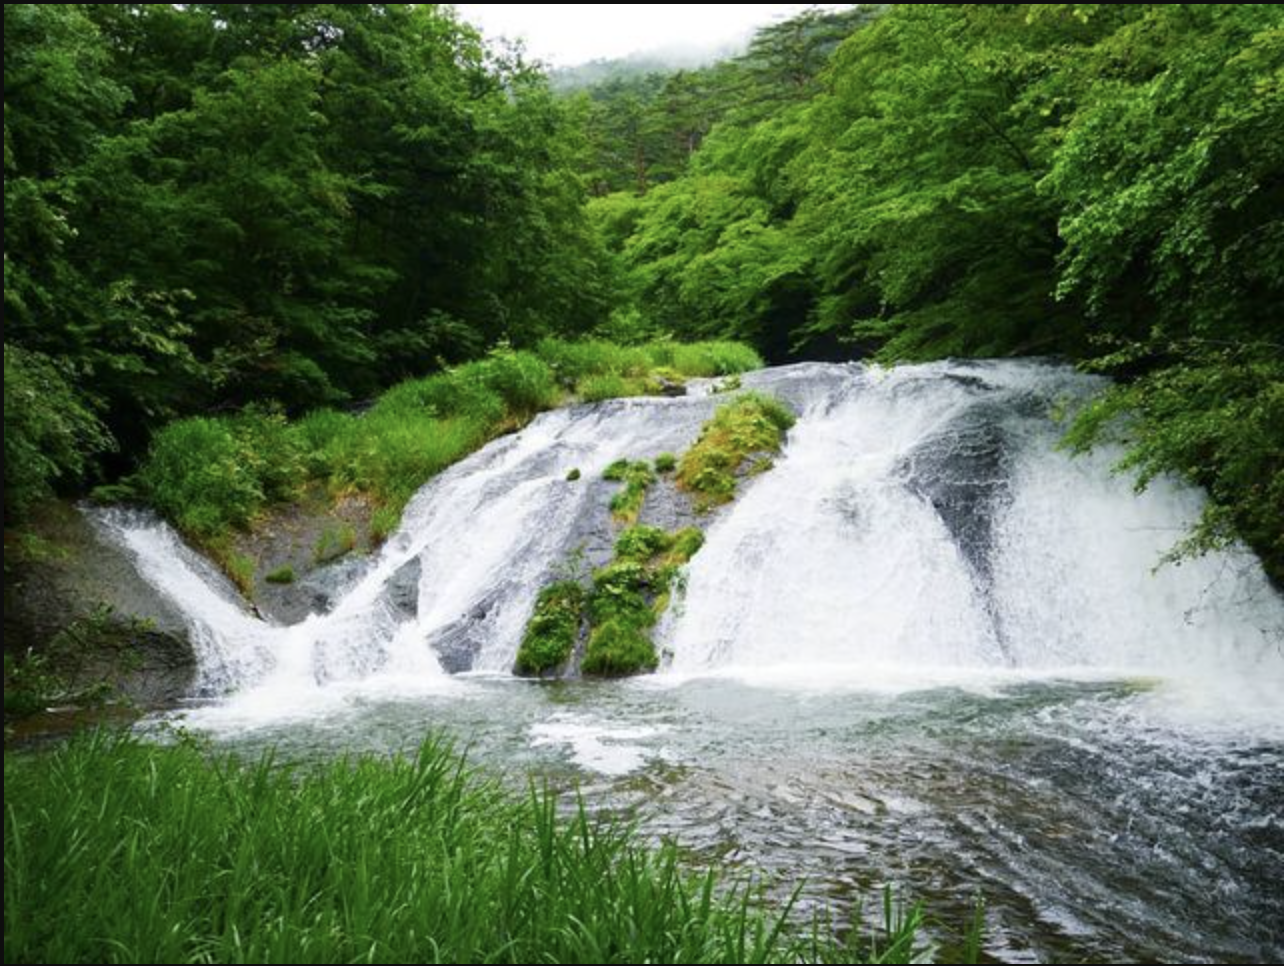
<point x="281" y="575"/>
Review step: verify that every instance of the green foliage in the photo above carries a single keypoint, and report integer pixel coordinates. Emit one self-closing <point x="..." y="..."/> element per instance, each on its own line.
<point x="572" y="474"/>
<point x="50" y="432"/>
<point x="1214" y="417"/>
<point x="750" y="425"/>
<point x="383" y="523"/>
<point x="239" y="567"/>
<point x="197" y="475"/>
<point x="334" y="542"/>
<point x="972" y="179"/>
<point x="618" y="648"/>
<point x="208" y="206"/>
<point x="666" y="463"/>
<point x="641" y="543"/>
<point x="209" y="475"/>
<point x="553" y="628"/>
<point x="30" y="685"/>
<point x="404" y="859"/>
<point x="637" y="477"/>
<point x="627" y="598"/>
<point x="608" y="386"/>
<point x="283" y="574"/>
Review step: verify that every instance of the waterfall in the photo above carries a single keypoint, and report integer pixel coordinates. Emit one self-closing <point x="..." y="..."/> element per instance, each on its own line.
<point x="920" y="522"/>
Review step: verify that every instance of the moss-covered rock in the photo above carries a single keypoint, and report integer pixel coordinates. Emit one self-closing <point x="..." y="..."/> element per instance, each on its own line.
<point x="618" y="648"/>
<point x="636" y="475"/>
<point x="738" y="437"/>
<point x="553" y="629"/>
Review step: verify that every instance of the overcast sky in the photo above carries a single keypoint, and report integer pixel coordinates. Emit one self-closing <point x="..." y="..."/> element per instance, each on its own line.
<point x="566" y="34"/>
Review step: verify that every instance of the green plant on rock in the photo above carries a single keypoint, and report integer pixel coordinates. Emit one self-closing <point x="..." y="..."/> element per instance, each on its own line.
<point x="735" y="440"/>
<point x="666" y="463"/>
<point x="636" y="475"/>
<point x="630" y="594"/>
<point x="334" y="542"/>
<point x="281" y="575"/>
<point x="617" y="648"/>
<point x="383" y="523"/>
<point x="553" y="628"/>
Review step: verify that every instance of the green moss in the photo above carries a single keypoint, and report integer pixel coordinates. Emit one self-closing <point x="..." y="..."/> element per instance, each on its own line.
<point x="617" y="648"/>
<point x="666" y="463"/>
<point x="641" y="543"/>
<point x="281" y="575"/>
<point x="636" y="476"/>
<point x="573" y="474"/>
<point x="729" y="384"/>
<point x="553" y="628"/>
<point x="620" y="592"/>
<point x="748" y="425"/>
<point x="334" y="542"/>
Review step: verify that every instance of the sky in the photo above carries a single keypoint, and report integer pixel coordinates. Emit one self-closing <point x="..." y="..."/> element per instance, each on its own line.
<point x="566" y="34"/>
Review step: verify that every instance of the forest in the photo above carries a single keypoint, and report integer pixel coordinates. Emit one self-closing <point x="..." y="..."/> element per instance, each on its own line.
<point x="291" y="206"/>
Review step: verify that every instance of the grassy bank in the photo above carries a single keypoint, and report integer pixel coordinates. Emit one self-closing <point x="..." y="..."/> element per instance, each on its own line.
<point x="117" y="851"/>
<point x="212" y="475"/>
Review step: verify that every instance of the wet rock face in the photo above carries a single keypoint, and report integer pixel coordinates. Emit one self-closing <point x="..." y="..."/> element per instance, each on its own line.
<point x="83" y="604"/>
<point x="963" y="473"/>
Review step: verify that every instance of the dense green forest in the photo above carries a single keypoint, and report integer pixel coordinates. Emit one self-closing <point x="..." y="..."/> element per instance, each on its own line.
<point x="1099" y="183"/>
<point x="293" y="205"/>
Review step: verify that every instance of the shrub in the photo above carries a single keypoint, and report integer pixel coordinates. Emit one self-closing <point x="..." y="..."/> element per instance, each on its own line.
<point x="51" y="433"/>
<point x="195" y="475"/>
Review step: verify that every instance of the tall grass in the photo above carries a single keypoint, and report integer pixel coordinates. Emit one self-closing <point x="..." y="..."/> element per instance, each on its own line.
<point x="211" y="475"/>
<point x="116" y="851"/>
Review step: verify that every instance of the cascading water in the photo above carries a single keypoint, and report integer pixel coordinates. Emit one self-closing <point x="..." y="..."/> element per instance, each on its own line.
<point x="926" y="647"/>
<point x="930" y="524"/>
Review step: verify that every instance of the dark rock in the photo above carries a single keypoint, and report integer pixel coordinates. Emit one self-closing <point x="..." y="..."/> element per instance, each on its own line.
<point x="84" y="606"/>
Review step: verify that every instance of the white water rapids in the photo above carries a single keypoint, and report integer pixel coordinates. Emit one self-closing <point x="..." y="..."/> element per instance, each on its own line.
<point x="926" y="647"/>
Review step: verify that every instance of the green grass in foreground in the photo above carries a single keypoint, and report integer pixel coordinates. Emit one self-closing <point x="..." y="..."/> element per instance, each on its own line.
<point x="211" y="475"/>
<point x="117" y="851"/>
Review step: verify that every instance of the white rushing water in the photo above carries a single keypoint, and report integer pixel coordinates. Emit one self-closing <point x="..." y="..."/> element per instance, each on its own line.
<point x="920" y="527"/>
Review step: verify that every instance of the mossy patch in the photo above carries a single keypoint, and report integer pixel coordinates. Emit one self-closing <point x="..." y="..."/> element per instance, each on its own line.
<point x="617" y="648"/>
<point x="334" y="542"/>
<point x="553" y="629"/>
<point x="636" y="475"/>
<point x="734" y="441"/>
<point x="628" y="596"/>
<point x="281" y="575"/>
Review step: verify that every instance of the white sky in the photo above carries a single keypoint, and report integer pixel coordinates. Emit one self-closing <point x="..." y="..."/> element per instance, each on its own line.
<point x="566" y="34"/>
